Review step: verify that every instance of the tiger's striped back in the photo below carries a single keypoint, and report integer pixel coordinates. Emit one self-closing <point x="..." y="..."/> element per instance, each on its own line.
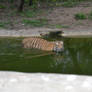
<point x="39" y="43"/>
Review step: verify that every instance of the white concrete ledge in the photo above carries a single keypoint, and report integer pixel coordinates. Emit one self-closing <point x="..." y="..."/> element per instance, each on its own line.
<point x="38" y="31"/>
<point x="77" y="34"/>
<point x="33" y="82"/>
<point x="25" y="32"/>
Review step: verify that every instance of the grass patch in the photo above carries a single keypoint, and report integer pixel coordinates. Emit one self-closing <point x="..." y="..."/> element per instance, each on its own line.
<point x="29" y="13"/>
<point x="58" y="26"/>
<point x="35" y="23"/>
<point x="2" y="7"/>
<point x="70" y="4"/>
<point x="61" y="26"/>
<point x="90" y="15"/>
<point x="80" y="16"/>
<point x="12" y="13"/>
<point x="3" y="24"/>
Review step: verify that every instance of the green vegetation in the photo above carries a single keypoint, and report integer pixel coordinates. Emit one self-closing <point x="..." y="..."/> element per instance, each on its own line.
<point x="80" y="16"/>
<point x="29" y="13"/>
<point x="2" y="6"/>
<point x="3" y="24"/>
<point x="90" y="15"/>
<point x="37" y="3"/>
<point x="35" y="23"/>
<point x="69" y="4"/>
<point x="58" y="26"/>
<point x="61" y="26"/>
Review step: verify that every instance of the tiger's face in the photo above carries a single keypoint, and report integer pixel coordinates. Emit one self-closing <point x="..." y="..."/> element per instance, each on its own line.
<point x="59" y="46"/>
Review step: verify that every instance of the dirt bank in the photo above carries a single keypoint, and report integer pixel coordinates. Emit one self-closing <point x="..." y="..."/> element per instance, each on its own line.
<point x="55" y="17"/>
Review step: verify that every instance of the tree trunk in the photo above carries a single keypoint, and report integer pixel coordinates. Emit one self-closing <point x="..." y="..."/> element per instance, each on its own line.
<point x="30" y="2"/>
<point x="20" y="8"/>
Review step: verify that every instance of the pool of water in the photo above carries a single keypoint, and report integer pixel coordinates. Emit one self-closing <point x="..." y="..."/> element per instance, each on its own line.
<point x="76" y="58"/>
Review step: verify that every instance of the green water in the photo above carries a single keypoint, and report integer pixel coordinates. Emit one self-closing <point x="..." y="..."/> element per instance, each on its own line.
<point x="76" y="58"/>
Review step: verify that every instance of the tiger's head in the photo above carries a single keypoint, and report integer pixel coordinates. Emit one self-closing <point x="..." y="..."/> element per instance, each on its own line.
<point x="59" y="46"/>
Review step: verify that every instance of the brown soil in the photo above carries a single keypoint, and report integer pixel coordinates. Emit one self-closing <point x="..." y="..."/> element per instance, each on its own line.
<point x="55" y="16"/>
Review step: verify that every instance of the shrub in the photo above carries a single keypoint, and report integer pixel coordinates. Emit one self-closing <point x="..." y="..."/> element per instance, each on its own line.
<point x="80" y="16"/>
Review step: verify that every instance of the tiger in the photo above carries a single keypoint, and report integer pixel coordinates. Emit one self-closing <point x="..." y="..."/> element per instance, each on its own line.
<point x="42" y="44"/>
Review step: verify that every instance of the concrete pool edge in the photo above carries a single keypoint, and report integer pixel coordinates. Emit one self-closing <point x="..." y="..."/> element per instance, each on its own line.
<point x="41" y="82"/>
<point x="38" y="31"/>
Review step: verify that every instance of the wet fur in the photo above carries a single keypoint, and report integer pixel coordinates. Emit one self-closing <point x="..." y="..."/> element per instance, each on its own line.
<point x="39" y="43"/>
